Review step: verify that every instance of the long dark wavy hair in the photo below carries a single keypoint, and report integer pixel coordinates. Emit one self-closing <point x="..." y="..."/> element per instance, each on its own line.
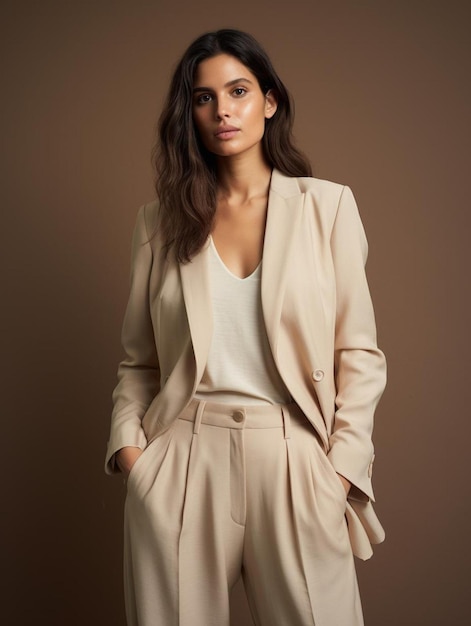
<point x="186" y="181"/>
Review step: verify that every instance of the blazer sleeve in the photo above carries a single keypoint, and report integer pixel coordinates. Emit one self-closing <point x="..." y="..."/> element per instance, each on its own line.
<point x="138" y="372"/>
<point x="360" y="367"/>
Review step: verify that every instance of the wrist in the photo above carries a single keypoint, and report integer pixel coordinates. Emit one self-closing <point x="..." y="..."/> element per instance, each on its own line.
<point x="126" y="457"/>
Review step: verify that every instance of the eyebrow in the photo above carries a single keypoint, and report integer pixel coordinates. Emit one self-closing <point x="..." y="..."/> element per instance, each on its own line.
<point x="229" y="84"/>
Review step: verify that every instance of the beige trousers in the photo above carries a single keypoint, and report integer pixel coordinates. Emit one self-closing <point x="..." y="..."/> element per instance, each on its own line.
<point x="231" y="490"/>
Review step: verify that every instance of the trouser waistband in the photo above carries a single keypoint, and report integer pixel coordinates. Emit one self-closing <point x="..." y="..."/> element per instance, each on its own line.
<point x="241" y="416"/>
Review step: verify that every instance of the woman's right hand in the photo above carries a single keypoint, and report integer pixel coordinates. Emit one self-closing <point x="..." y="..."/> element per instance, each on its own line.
<point x="126" y="457"/>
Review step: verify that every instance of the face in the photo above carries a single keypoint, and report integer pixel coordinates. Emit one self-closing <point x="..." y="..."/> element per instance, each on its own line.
<point x="229" y="108"/>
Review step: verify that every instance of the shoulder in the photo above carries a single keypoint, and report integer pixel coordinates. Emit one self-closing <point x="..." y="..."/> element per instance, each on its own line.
<point x="331" y="203"/>
<point x="327" y="194"/>
<point x="148" y="216"/>
<point x="147" y="221"/>
<point x="334" y="203"/>
<point x="323" y="192"/>
<point x="146" y="232"/>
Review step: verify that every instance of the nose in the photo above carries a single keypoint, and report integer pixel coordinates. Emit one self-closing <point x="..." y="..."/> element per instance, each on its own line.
<point x="222" y="109"/>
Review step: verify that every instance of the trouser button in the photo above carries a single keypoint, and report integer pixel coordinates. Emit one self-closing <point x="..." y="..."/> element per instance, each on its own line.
<point x="238" y="416"/>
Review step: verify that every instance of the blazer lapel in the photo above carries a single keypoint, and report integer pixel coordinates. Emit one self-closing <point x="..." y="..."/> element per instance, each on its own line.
<point x="196" y="292"/>
<point x="285" y="204"/>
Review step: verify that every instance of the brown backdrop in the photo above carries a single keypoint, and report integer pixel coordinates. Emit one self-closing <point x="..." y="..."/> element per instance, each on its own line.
<point x="382" y="99"/>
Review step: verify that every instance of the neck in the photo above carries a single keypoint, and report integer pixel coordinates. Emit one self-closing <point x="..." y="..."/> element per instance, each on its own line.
<point x="243" y="178"/>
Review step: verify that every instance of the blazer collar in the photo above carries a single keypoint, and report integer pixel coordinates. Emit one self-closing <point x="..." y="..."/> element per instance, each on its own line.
<point x="284" y="186"/>
<point x="285" y="202"/>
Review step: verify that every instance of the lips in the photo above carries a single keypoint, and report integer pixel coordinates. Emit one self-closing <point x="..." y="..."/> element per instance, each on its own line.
<point x="226" y="132"/>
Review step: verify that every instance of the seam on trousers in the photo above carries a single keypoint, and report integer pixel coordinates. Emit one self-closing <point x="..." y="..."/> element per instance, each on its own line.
<point x="237" y="477"/>
<point x="286" y="422"/>
<point x="199" y="417"/>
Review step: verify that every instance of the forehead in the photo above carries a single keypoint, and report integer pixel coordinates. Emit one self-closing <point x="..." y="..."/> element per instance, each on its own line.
<point x="221" y="69"/>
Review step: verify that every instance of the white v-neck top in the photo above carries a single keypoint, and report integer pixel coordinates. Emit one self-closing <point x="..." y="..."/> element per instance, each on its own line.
<point x="240" y="367"/>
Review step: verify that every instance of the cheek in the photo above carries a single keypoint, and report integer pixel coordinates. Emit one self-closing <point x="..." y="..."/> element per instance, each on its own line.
<point x="256" y="115"/>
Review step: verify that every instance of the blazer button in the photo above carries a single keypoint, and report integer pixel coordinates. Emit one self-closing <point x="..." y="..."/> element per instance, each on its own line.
<point x="318" y="375"/>
<point x="238" y="416"/>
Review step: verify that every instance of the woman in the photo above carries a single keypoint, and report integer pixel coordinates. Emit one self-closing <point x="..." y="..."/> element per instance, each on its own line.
<point x="244" y="409"/>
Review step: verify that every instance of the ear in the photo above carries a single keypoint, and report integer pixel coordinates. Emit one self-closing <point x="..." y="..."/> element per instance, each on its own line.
<point x="271" y="104"/>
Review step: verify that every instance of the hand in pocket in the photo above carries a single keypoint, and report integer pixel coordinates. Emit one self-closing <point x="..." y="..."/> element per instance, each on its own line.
<point x="126" y="457"/>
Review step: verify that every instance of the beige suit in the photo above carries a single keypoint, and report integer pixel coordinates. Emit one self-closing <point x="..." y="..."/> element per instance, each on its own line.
<point x="319" y="321"/>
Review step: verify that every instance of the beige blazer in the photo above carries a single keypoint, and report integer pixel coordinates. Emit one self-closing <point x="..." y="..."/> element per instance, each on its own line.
<point x="319" y="320"/>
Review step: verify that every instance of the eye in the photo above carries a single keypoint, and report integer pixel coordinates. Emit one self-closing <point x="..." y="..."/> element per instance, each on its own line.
<point x="239" y="91"/>
<point x="203" y="98"/>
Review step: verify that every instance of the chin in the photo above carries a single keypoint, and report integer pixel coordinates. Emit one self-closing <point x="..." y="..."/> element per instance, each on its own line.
<point x="228" y="150"/>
